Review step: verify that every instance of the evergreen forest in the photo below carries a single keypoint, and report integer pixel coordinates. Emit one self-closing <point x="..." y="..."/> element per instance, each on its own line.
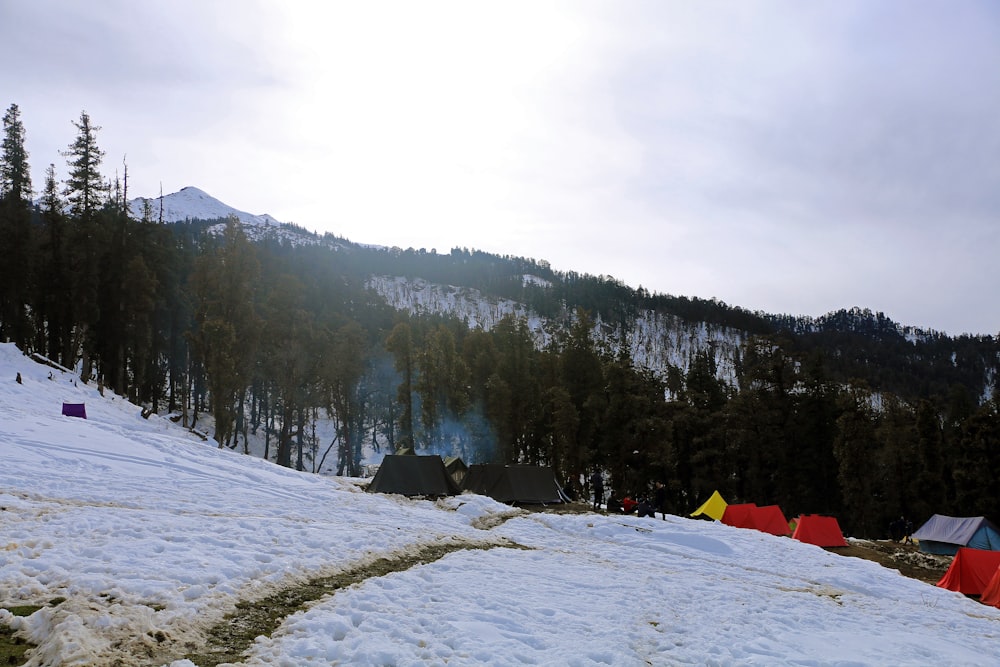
<point x="849" y="414"/>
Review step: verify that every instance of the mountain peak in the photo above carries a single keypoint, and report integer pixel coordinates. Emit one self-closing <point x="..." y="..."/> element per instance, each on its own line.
<point x="191" y="203"/>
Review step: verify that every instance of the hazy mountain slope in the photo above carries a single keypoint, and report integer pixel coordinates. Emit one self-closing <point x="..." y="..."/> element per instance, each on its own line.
<point x="661" y="331"/>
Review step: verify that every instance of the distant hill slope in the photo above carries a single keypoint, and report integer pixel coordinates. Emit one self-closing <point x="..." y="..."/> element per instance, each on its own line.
<point x="660" y="332"/>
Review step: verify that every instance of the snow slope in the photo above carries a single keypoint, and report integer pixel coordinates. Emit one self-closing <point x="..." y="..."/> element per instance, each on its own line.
<point x="152" y="535"/>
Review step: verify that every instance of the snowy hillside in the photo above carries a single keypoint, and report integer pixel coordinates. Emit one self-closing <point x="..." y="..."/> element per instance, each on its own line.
<point x="655" y="340"/>
<point x="135" y="538"/>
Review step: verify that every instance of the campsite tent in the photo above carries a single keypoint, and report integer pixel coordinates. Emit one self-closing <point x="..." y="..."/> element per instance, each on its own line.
<point x="714" y="507"/>
<point x="739" y="515"/>
<point x="945" y="534"/>
<point x="75" y="410"/>
<point x="412" y="475"/>
<point x="991" y="594"/>
<point x="768" y="519"/>
<point x="823" y="531"/>
<point x="514" y="484"/>
<point x="456" y="468"/>
<point x="970" y="571"/>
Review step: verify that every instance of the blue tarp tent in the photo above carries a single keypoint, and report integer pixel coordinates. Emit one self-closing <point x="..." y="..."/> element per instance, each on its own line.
<point x="945" y="534"/>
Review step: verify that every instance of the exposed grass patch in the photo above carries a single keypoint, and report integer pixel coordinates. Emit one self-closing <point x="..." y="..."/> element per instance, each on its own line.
<point x="12" y="647"/>
<point x="227" y="641"/>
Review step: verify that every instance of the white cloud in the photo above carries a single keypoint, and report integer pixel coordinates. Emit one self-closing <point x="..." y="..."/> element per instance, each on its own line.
<point x="691" y="148"/>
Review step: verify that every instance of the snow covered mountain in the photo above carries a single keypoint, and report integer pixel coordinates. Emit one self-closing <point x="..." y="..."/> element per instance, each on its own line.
<point x="190" y="203"/>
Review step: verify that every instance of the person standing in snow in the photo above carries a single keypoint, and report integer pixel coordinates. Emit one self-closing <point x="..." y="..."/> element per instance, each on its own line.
<point x="597" y="484"/>
<point x="660" y="499"/>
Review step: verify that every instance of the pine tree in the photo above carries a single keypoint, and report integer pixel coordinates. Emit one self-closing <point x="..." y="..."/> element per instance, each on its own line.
<point x="224" y="282"/>
<point x="858" y="473"/>
<point x="514" y="394"/>
<point x="290" y="352"/>
<point x="581" y="372"/>
<point x="698" y="428"/>
<point x="84" y="191"/>
<point x="343" y="363"/>
<point x="400" y="344"/>
<point x="442" y="383"/>
<point x="15" y="175"/>
<point x="85" y="188"/>
<point x="15" y="230"/>
<point x="977" y="457"/>
<point x="55" y="289"/>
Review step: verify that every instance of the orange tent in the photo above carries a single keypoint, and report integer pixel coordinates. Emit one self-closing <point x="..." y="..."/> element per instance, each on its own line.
<point x="823" y="531"/>
<point x="970" y="571"/>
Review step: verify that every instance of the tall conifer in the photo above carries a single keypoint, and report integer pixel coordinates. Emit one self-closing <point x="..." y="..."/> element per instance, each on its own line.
<point x="84" y="187"/>
<point x="15" y="175"/>
<point x="15" y="230"/>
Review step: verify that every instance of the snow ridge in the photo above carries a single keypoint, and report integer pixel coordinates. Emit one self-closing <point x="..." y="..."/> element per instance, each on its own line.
<point x="656" y="341"/>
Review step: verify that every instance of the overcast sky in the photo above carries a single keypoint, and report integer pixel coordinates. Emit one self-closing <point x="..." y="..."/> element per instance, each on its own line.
<point x="784" y="156"/>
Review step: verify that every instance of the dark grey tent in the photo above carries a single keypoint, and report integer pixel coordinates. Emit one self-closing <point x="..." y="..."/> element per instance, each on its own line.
<point x="412" y="475"/>
<point x="456" y="468"/>
<point x="945" y="534"/>
<point x="516" y="484"/>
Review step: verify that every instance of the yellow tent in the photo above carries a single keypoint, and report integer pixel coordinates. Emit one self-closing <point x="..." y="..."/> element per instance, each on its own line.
<point x="714" y="507"/>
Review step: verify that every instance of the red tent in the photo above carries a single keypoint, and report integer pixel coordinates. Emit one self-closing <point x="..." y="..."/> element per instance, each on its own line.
<point x="991" y="594"/>
<point x="970" y="571"/>
<point x="739" y="516"/>
<point x="770" y="519"/>
<point x="823" y="531"/>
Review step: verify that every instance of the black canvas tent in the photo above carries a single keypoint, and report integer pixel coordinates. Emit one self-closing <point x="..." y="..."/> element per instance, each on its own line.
<point x="456" y="468"/>
<point x="514" y="484"/>
<point x="412" y="475"/>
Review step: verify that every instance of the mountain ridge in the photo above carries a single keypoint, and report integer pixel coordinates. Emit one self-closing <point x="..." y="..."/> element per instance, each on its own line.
<point x="193" y="203"/>
<point x="659" y="332"/>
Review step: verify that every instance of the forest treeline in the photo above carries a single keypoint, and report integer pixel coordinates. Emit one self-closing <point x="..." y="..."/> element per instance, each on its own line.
<point x="847" y="414"/>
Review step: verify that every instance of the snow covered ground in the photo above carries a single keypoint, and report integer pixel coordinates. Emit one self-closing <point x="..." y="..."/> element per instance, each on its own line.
<point x="151" y="536"/>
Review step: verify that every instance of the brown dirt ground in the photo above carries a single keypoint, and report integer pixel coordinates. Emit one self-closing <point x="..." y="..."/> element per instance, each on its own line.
<point x="905" y="558"/>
